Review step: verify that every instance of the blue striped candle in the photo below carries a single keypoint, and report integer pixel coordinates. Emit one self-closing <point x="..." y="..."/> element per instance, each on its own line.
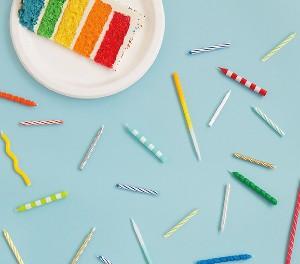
<point x="148" y="145"/>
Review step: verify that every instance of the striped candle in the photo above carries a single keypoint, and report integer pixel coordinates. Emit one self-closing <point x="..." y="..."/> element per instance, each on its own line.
<point x="183" y="222"/>
<point x="271" y="53"/>
<point x="293" y="229"/>
<point x="96" y="29"/>
<point x="269" y="121"/>
<point x="210" y="48"/>
<point x="104" y="260"/>
<point x="136" y="189"/>
<point x="148" y="145"/>
<point x="12" y="246"/>
<point x="43" y="201"/>
<point x="41" y="123"/>
<point x="252" y="86"/>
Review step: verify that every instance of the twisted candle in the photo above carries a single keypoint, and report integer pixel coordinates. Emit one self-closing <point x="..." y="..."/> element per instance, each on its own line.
<point x="293" y="229"/>
<point x="104" y="260"/>
<point x="181" y="223"/>
<point x="136" y="189"/>
<point x="12" y="246"/>
<point x="14" y="159"/>
<point x="43" y="201"/>
<point x="91" y="148"/>
<point x="269" y="121"/>
<point x="17" y="99"/>
<point x="210" y="48"/>
<point x="83" y="246"/>
<point x="225" y="259"/>
<point x="225" y="207"/>
<point x="41" y="122"/>
<point x="278" y="47"/>
<point x="254" y="187"/>
<point x="254" y="161"/>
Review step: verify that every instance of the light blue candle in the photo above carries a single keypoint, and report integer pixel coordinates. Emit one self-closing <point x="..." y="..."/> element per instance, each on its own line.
<point x="144" y="141"/>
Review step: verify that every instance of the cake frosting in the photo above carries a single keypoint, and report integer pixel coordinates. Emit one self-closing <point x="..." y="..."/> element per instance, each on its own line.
<point x="100" y="30"/>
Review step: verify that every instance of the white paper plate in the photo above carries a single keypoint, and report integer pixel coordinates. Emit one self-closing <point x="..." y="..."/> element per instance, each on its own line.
<point x="67" y="73"/>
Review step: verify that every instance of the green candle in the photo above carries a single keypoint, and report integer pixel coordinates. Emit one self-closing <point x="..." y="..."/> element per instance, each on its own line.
<point x="254" y="187"/>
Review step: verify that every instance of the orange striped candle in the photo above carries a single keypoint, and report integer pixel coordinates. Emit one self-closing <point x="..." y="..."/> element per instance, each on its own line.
<point x="92" y="28"/>
<point x="70" y="22"/>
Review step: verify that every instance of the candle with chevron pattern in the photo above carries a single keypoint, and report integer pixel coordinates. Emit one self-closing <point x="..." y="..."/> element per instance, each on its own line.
<point x="43" y="201"/>
<point x="146" y="143"/>
<point x="252" y="86"/>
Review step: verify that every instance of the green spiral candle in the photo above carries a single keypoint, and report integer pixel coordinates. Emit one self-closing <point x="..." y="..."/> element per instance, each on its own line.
<point x="254" y="187"/>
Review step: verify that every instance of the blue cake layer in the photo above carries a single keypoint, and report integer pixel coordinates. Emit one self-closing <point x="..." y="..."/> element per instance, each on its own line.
<point x="29" y="12"/>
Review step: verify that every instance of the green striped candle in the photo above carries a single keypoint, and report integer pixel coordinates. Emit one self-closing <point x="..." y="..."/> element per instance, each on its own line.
<point x="251" y="185"/>
<point x="145" y="142"/>
<point x="43" y="201"/>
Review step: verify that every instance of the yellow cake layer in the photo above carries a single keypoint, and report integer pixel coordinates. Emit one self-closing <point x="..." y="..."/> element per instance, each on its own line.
<point x="70" y="21"/>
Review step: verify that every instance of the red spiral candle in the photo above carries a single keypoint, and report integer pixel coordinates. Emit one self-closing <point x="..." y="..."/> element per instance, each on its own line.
<point x="17" y="99"/>
<point x="293" y="230"/>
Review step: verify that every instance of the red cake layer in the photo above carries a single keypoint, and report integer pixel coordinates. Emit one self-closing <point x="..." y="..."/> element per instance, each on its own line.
<point x="113" y="40"/>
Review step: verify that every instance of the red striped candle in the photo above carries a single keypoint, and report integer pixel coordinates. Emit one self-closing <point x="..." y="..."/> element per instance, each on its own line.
<point x="293" y="229"/>
<point x="252" y="86"/>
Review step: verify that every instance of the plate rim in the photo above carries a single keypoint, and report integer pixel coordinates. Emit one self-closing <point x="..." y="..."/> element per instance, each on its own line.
<point x="136" y="74"/>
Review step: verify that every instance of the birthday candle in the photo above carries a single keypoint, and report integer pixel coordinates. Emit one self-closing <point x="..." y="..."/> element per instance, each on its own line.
<point x="293" y="229"/>
<point x="254" y="161"/>
<point x="136" y="189"/>
<point x="254" y="187"/>
<point x="148" y="145"/>
<point x="186" y="113"/>
<point x="91" y="148"/>
<point x="252" y="86"/>
<point x="83" y="246"/>
<point x="210" y="48"/>
<point x="43" y="201"/>
<point x="269" y="121"/>
<point x="17" y="99"/>
<point x="181" y="223"/>
<point x="278" y="47"/>
<point x="141" y="241"/>
<point x="225" y="207"/>
<point x="14" y="159"/>
<point x="225" y="259"/>
<point x="41" y="122"/>
<point x="219" y="109"/>
<point x="104" y="260"/>
<point x="12" y="247"/>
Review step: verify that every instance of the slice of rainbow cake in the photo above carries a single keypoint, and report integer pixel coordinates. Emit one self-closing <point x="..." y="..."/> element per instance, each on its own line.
<point x="100" y="30"/>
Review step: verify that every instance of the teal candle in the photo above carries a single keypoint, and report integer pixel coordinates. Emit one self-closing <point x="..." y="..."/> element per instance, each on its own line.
<point x="254" y="187"/>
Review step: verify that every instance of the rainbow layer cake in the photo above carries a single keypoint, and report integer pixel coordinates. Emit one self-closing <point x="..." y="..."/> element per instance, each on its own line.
<point x="100" y="30"/>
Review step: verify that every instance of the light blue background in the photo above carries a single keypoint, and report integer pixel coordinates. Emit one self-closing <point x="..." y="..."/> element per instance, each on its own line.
<point x="50" y="155"/>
